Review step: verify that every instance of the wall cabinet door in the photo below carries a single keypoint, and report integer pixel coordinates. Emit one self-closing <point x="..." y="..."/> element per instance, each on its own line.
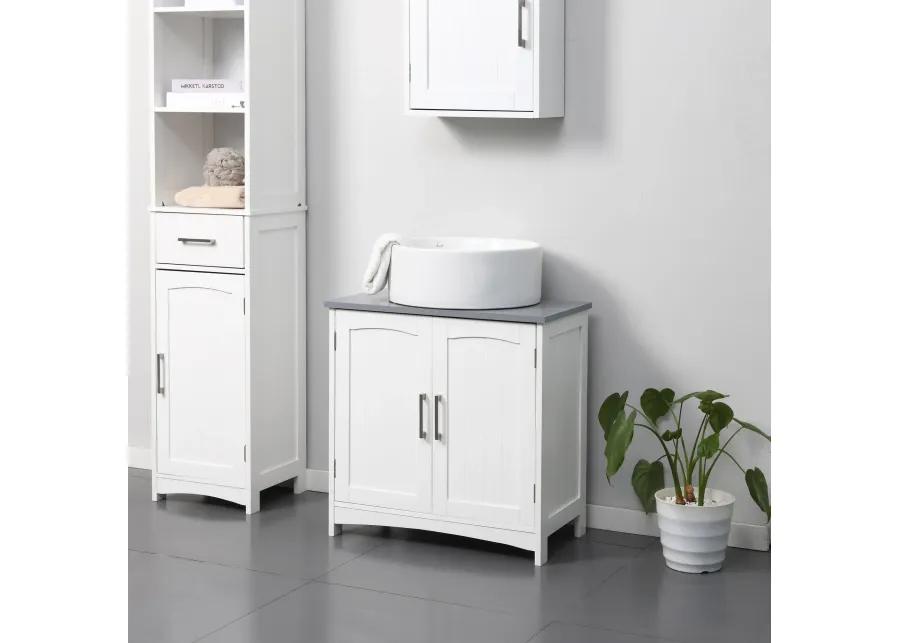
<point x="484" y="386"/>
<point x="200" y="401"/>
<point x="382" y="439"/>
<point x="471" y="55"/>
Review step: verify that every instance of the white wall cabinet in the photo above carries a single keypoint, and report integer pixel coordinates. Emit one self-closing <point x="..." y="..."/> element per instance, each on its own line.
<point x="487" y="58"/>
<point x="473" y="427"/>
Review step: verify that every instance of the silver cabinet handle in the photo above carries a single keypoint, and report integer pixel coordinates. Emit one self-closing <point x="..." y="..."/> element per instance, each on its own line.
<point x="160" y="374"/>
<point x="422" y="434"/>
<point x="522" y="42"/>
<point x="437" y="413"/>
<point x="197" y="242"/>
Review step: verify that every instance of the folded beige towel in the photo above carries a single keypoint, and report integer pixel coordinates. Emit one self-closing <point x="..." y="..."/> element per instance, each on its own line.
<point x="209" y="196"/>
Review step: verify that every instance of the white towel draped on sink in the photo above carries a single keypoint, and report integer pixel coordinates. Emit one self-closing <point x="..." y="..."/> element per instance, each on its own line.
<point x="379" y="263"/>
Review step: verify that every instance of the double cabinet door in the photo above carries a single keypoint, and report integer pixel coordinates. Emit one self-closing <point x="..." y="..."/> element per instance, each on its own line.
<point x="436" y="416"/>
<point x="200" y="377"/>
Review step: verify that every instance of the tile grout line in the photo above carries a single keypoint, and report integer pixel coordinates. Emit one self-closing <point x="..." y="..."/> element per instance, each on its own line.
<point x="360" y="555"/>
<point x="225" y="565"/>
<point x="538" y="633"/>
<point x="256" y="609"/>
<point x="418" y="598"/>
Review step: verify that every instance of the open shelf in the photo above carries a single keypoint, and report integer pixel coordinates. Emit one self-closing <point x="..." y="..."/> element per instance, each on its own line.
<point x="215" y="43"/>
<point x="179" y="208"/>
<point x="183" y="110"/>
<point x="229" y="12"/>
<point x="196" y="44"/>
<point x="182" y="141"/>
<point x="232" y="211"/>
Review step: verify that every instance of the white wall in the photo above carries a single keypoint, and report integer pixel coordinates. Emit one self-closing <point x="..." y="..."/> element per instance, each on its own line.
<point x="651" y="198"/>
<point x="138" y="226"/>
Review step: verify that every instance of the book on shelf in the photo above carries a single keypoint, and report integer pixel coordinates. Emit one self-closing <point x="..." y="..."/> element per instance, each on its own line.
<point x="206" y="85"/>
<point x="214" y="101"/>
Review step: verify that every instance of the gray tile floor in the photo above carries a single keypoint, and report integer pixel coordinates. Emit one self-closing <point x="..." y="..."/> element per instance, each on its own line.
<point x="199" y="569"/>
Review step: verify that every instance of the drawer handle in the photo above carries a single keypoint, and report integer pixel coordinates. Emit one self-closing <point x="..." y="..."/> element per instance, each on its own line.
<point x="422" y="434"/>
<point x="197" y="242"/>
<point x="437" y="413"/>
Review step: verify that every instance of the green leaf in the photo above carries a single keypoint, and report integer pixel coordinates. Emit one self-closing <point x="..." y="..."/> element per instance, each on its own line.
<point x="720" y="416"/>
<point x="709" y="396"/>
<point x="646" y="479"/>
<point x="618" y="440"/>
<point x="708" y="446"/>
<point x="611" y="408"/>
<point x="759" y="489"/>
<point x="656" y="404"/>
<point x="750" y="427"/>
<point x="671" y="435"/>
<point x="684" y="398"/>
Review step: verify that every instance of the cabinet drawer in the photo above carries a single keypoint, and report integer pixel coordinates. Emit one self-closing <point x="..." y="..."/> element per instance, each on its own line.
<point x="200" y="239"/>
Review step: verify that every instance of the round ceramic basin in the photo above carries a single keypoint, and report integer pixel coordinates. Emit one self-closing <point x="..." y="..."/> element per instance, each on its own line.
<point x="467" y="273"/>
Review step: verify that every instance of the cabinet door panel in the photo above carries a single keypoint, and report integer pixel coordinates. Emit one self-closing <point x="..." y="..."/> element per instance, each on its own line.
<point x="484" y="460"/>
<point x="465" y="55"/>
<point x="382" y="366"/>
<point x="200" y="413"/>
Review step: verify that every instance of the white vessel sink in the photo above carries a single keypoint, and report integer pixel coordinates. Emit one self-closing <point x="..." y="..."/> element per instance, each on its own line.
<point x="468" y="273"/>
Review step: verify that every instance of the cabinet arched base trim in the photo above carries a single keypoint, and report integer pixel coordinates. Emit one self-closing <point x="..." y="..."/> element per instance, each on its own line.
<point x="529" y="541"/>
<point x="236" y="495"/>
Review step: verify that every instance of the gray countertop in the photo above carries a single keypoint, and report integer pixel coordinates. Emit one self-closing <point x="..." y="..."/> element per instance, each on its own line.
<point x="541" y="313"/>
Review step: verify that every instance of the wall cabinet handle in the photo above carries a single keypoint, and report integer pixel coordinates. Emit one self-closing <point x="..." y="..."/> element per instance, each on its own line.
<point x="160" y="374"/>
<point x="197" y="242"/>
<point x="437" y="413"/>
<point x="522" y="42"/>
<point x="422" y="434"/>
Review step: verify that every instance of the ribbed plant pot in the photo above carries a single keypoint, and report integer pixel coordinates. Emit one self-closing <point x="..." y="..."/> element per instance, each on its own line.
<point x="694" y="539"/>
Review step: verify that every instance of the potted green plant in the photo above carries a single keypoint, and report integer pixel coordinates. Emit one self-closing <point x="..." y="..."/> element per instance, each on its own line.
<point x="694" y="521"/>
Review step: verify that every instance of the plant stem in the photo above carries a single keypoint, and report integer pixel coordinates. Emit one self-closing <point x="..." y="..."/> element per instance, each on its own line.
<point x="722" y="448"/>
<point x="733" y="460"/>
<point x="693" y="460"/>
<point x="672" y="461"/>
<point x="677" y="419"/>
<point x="702" y="482"/>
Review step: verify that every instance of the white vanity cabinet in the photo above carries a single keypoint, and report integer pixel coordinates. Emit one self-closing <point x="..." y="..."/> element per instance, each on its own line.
<point x="487" y="58"/>
<point x="229" y="411"/>
<point x="470" y="426"/>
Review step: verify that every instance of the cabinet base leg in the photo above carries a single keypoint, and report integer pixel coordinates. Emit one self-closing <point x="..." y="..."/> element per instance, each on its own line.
<point x="335" y="530"/>
<point x="299" y="485"/>
<point x="581" y="525"/>
<point x="156" y="496"/>
<point x="252" y="503"/>
<point x="540" y="553"/>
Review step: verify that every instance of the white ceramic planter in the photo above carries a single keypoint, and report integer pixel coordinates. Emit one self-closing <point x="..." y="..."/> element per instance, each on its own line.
<point x="694" y="539"/>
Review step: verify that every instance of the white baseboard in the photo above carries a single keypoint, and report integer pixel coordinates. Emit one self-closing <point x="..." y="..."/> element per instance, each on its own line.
<point x="629" y="521"/>
<point x="632" y="521"/>
<point x="139" y="458"/>
<point x="317" y="480"/>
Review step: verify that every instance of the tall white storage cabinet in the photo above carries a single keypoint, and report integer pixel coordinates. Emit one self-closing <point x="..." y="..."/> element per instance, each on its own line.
<point x="229" y="305"/>
<point x="465" y="422"/>
<point x="487" y="58"/>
